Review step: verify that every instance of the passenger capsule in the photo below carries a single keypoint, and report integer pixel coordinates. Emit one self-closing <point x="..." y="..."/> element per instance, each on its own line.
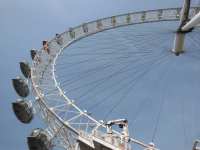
<point x="33" y="53"/>
<point x="47" y="47"/>
<point x="99" y="24"/>
<point x="71" y="33"/>
<point x="22" y="110"/>
<point x="20" y="86"/>
<point x="59" y="39"/>
<point x="25" y="68"/>
<point x="128" y="18"/>
<point x="143" y="16"/>
<point x="160" y="14"/>
<point x="85" y="28"/>
<point x="113" y="20"/>
<point x="39" y="139"/>
<point x="178" y="13"/>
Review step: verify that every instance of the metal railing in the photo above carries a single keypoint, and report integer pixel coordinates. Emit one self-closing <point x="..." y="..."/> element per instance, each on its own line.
<point x="116" y="141"/>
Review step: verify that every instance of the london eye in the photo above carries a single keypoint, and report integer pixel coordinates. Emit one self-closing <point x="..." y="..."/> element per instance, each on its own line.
<point x="105" y="84"/>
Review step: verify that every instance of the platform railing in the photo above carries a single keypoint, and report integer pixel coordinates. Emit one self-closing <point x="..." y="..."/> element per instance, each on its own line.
<point x="112" y="139"/>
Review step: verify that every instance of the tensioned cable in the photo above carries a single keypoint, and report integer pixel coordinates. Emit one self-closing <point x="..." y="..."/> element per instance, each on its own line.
<point x="151" y="56"/>
<point x="193" y="45"/>
<point x="120" y="49"/>
<point x="182" y="103"/>
<point x="187" y="42"/>
<point x="194" y="51"/>
<point x="105" y="59"/>
<point x="97" y="56"/>
<point x="132" y="86"/>
<point x="106" y="38"/>
<point x="137" y="33"/>
<point x="194" y="71"/>
<point x="123" y="36"/>
<point x="152" y="27"/>
<point x="110" y="65"/>
<point x="111" y="47"/>
<point x="194" y="57"/>
<point x="118" y="82"/>
<point x="162" y="102"/>
<point x="92" y="73"/>
<point x="104" y="54"/>
<point x="150" y="93"/>
<point x="113" y="75"/>
<point x="95" y="60"/>
<point x="156" y="28"/>
<point x="122" y="80"/>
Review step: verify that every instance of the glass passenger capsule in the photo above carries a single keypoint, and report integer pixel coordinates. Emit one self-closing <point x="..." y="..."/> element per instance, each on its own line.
<point x="59" y="39"/>
<point x="47" y="47"/>
<point x="20" y="86"/>
<point x="33" y="53"/>
<point x="178" y="12"/>
<point x="85" y="28"/>
<point x="39" y="139"/>
<point x="22" y="110"/>
<point x="25" y="68"/>
<point x="71" y="33"/>
<point x="143" y="16"/>
<point x="128" y="18"/>
<point x="99" y="24"/>
<point x="113" y="21"/>
<point x="160" y="14"/>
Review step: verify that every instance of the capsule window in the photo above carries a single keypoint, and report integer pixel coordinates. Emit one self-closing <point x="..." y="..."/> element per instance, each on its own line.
<point x="99" y="24"/>
<point x="40" y="144"/>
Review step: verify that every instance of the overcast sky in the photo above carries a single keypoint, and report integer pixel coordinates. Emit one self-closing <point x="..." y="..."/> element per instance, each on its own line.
<point x="24" y="24"/>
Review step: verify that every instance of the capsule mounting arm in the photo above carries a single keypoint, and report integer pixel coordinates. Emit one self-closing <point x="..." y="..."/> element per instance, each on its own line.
<point x="121" y="125"/>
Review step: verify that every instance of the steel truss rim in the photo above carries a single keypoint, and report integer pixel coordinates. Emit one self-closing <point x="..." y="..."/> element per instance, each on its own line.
<point x="38" y="55"/>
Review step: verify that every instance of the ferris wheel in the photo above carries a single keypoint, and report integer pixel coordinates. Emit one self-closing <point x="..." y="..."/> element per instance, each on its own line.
<point x="97" y="66"/>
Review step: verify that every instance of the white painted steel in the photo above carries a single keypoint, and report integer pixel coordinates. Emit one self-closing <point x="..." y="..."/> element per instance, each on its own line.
<point x="195" y="145"/>
<point x="198" y="26"/>
<point x="178" y="43"/>
<point x="64" y="129"/>
<point x="192" y="23"/>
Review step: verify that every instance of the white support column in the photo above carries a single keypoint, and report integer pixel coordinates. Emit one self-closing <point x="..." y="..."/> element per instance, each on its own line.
<point x="180" y="36"/>
<point x="195" y="145"/>
<point x="178" y="43"/>
<point x="192" y="23"/>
